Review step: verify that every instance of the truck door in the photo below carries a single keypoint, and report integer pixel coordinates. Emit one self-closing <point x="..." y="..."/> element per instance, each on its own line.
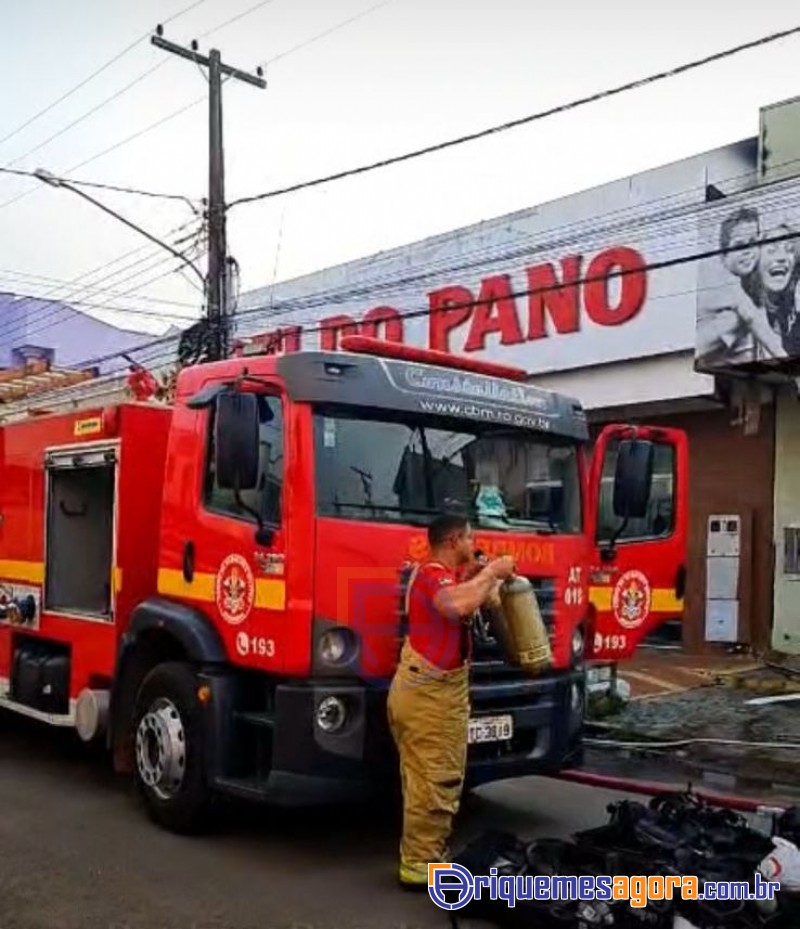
<point x="246" y="575"/>
<point x="638" y="576"/>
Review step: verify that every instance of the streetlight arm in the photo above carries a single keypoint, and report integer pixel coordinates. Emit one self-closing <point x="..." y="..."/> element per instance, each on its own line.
<point x="58" y="182"/>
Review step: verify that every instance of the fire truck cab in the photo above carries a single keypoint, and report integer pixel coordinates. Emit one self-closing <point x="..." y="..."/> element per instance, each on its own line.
<point x="212" y="586"/>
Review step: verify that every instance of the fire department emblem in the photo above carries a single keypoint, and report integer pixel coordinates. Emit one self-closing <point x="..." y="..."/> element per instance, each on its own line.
<point x="234" y="590"/>
<point x="631" y="599"/>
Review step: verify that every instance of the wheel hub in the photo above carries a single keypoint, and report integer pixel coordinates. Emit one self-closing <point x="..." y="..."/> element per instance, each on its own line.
<point x="161" y="748"/>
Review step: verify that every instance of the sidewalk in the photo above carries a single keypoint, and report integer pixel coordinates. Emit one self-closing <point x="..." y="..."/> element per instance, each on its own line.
<point x="700" y="711"/>
<point x="657" y="673"/>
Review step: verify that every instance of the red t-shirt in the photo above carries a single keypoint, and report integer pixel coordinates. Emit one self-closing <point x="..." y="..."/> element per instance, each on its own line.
<point x="439" y="638"/>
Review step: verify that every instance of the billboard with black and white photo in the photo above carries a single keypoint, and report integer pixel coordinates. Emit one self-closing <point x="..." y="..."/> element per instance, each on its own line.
<point x="747" y="283"/>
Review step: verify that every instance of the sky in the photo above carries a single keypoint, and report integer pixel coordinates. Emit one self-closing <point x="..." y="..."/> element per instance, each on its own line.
<point x="387" y="77"/>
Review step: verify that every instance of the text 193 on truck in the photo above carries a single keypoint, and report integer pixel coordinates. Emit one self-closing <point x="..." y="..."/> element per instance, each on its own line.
<point x="212" y="586"/>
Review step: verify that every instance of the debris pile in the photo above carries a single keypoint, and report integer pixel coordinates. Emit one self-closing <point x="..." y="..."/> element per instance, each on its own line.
<point x="676" y="834"/>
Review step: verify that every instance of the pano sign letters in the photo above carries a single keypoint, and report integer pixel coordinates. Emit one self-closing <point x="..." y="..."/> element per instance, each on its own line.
<point x="608" y="289"/>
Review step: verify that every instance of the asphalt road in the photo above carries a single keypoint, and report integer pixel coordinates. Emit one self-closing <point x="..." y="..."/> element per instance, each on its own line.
<point x="76" y="851"/>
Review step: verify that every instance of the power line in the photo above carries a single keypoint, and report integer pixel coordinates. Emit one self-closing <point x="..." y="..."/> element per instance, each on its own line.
<point x="524" y="120"/>
<point x="227" y="22"/>
<point x="530" y="291"/>
<point x="60" y="313"/>
<point x="323" y="35"/>
<point x="76" y="287"/>
<point x="672" y="218"/>
<point x="196" y="102"/>
<point x="85" y="115"/>
<point x="96" y="73"/>
<point x="29" y="277"/>
<point x="18" y="172"/>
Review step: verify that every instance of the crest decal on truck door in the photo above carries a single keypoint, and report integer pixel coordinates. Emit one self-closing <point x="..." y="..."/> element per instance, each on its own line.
<point x="631" y="599"/>
<point x="234" y="590"/>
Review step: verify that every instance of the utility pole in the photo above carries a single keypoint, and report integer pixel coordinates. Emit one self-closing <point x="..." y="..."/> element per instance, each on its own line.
<point x="217" y="311"/>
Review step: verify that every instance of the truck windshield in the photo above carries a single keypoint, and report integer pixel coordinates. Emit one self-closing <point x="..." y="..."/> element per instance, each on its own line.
<point x="405" y="469"/>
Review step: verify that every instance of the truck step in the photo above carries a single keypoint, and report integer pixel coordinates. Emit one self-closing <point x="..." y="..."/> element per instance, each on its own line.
<point x="266" y="720"/>
<point x="248" y="788"/>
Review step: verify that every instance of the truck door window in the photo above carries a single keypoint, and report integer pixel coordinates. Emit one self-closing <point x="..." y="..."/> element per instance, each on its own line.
<point x="659" y="522"/>
<point x="266" y="498"/>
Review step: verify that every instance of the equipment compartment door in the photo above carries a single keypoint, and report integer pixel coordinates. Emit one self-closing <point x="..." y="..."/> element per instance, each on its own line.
<point x="80" y="532"/>
<point x="638" y="577"/>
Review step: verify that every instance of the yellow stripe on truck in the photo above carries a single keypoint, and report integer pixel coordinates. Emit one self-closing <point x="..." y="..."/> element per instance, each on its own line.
<point x="662" y="600"/>
<point x="28" y="572"/>
<point x="172" y="583"/>
<point x="270" y="594"/>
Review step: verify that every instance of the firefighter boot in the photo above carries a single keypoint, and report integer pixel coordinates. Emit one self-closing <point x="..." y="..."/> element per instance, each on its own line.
<point x="428" y="715"/>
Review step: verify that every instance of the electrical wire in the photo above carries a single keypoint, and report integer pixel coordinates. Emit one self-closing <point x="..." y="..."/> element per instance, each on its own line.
<point x="373" y="287"/>
<point x="196" y="102"/>
<point x="327" y="32"/>
<point x="28" y="278"/>
<point x="428" y="312"/>
<point x="96" y="73"/>
<point x="111" y="187"/>
<point x="524" y="120"/>
<point x="683" y="743"/>
<point x="86" y="114"/>
<point x="63" y="311"/>
<point x="77" y="287"/>
<point x="97" y="107"/>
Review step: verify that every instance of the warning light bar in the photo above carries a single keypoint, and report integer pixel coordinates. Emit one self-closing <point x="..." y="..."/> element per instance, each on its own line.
<point x="363" y="345"/>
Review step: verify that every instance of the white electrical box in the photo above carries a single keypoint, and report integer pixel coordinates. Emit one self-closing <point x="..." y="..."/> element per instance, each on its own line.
<point x="723" y="549"/>
<point x="724" y="536"/>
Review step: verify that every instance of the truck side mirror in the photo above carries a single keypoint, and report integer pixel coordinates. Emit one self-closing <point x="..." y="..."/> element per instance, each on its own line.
<point x="633" y="478"/>
<point x="236" y="441"/>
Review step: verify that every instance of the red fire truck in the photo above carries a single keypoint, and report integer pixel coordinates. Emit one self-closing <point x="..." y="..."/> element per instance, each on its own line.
<point x="212" y="586"/>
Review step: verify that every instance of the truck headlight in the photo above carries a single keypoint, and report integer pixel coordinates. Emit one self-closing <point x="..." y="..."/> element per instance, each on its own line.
<point x="336" y="646"/>
<point x="331" y="714"/>
<point x="577" y="643"/>
<point x="576" y="698"/>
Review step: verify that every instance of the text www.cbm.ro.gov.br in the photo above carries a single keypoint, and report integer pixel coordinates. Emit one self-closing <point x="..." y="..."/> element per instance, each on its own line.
<point x="452" y="886"/>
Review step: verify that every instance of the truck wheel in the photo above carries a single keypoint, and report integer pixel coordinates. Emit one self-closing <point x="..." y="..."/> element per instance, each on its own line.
<point x="169" y="746"/>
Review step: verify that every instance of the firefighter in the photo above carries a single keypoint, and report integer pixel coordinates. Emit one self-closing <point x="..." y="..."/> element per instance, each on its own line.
<point x="428" y="703"/>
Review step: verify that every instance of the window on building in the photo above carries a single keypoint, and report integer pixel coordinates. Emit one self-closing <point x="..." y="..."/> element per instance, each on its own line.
<point x="265" y="499"/>
<point x="791" y="551"/>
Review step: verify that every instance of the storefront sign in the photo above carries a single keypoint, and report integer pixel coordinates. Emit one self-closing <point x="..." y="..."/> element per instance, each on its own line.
<point x="587" y="280"/>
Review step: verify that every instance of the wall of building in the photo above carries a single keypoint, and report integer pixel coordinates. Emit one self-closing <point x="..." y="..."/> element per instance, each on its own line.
<point x="60" y="333"/>
<point x="786" y="633"/>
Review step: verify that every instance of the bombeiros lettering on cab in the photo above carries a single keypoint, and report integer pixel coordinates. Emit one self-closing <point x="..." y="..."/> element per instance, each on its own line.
<point x="550" y="298"/>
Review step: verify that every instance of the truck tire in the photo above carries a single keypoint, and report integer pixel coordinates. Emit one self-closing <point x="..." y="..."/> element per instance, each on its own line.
<point x="169" y="748"/>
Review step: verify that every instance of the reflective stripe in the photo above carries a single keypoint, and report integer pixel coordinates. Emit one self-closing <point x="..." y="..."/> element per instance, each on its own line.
<point x="662" y="600"/>
<point x="172" y="583"/>
<point x="31" y="572"/>
<point x="270" y="593"/>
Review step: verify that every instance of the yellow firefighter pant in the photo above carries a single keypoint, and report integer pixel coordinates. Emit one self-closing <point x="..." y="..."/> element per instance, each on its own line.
<point x="428" y="713"/>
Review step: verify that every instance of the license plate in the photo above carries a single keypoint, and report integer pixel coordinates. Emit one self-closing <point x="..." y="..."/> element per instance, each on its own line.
<point x="490" y="729"/>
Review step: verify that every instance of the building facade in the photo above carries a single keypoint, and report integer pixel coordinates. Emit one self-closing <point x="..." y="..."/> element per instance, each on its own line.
<point x="32" y="329"/>
<point x="598" y="295"/>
